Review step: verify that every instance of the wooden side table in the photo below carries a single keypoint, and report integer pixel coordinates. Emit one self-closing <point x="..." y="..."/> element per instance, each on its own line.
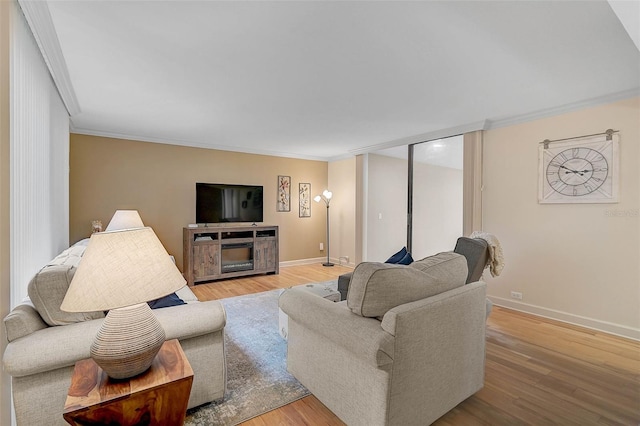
<point x="158" y="396"/>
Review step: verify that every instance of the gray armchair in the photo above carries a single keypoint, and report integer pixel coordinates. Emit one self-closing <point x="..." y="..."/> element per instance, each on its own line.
<point x="475" y="250"/>
<point x="405" y="348"/>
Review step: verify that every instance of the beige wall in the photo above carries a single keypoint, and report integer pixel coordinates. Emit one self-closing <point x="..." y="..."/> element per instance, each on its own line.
<point x="5" y="388"/>
<point x="159" y="181"/>
<point x="575" y="262"/>
<point x="342" y="182"/>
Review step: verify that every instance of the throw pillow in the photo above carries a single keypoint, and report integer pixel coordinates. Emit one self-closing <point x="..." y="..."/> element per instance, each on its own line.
<point x="166" y="301"/>
<point x="397" y="257"/>
<point x="406" y="260"/>
<point x="377" y="287"/>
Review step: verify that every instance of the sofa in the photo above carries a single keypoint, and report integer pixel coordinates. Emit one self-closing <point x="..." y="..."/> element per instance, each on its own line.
<point x="45" y="342"/>
<point x="407" y="345"/>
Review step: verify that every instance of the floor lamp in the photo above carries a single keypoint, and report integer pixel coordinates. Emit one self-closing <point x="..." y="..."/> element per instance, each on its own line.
<point x="326" y="197"/>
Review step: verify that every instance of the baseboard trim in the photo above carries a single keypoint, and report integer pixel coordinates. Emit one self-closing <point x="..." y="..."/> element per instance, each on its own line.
<point x="590" y="323"/>
<point x="310" y="261"/>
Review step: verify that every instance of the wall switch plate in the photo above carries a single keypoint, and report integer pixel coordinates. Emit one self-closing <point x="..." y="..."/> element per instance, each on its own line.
<point x="516" y="295"/>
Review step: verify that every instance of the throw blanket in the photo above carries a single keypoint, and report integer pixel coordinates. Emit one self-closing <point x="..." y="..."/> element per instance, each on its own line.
<point x="496" y="259"/>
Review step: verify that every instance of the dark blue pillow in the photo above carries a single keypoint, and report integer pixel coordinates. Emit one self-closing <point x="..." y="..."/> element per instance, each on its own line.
<point x="406" y="260"/>
<point x="166" y="301"/>
<point x="398" y="256"/>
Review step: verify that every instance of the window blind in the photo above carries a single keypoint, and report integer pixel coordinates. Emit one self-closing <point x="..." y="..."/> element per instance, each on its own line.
<point x="39" y="162"/>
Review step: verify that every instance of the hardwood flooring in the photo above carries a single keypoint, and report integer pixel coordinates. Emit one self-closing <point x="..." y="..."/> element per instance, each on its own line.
<point x="538" y="371"/>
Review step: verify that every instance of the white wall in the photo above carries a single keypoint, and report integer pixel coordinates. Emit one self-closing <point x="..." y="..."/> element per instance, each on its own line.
<point x="437" y="209"/>
<point x="574" y="262"/>
<point x="342" y="182"/>
<point x="386" y="207"/>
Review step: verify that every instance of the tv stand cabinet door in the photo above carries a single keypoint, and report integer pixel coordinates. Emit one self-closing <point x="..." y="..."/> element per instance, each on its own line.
<point x="265" y="255"/>
<point x="206" y="261"/>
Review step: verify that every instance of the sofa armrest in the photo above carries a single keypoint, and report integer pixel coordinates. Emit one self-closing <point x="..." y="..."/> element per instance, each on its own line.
<point x="430" y="306"/>
<point x="362" y="336"/>
<point x="61" y="346"/>
<point x="22" y="321"/>
<point x="50" y="348"/>
<point x="192" y="319"/>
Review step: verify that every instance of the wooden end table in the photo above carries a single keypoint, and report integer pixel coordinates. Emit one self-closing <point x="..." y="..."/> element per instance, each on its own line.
<point x="159" y="396"/>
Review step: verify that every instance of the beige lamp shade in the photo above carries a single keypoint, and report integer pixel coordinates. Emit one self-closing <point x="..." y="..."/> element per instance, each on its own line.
<point x="121" y="268"/>
<point x="125" y="219"/>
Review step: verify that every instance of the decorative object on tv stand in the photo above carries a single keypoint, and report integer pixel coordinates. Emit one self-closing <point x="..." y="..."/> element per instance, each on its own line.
<point x="326" y="197"/>
<point x="96" y="226"/>
<point x="125" y="219"/>
<point x="121" y="271"/>
<point x="284" y="194"/>
<point x="304" y="190"/>
<point x="581" y="169"/>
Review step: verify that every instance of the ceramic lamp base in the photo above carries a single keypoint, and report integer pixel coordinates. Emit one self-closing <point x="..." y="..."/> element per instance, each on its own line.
<point x="128" y="341"/>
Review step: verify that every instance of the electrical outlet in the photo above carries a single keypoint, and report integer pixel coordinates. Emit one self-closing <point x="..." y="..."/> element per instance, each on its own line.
<point x="321" y="246"/>
<point x="516" y="295"/>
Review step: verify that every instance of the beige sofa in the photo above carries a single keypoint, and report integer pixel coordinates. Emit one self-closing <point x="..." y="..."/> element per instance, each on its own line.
<point x="406" y="347"/>
<point x="45" y="343"/>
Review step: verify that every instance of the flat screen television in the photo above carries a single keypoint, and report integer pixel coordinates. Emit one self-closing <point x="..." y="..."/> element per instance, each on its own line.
<point x="219" y="203"/>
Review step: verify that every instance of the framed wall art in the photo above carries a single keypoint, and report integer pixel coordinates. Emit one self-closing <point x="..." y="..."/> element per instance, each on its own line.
<point x="284" y="194"/>
<point x="305" y="199"/>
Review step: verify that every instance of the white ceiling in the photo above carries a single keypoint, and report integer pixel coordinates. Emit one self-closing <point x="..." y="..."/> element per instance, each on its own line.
<point x="323" y="80"/>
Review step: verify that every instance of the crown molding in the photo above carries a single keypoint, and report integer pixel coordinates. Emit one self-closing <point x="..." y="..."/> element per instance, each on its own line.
<point x="39" y="20"/>
<point x="193" y="144"/>
<point x="551" y="112"/>
<point x="423" y="137"/>
<point x="489" y="124"/>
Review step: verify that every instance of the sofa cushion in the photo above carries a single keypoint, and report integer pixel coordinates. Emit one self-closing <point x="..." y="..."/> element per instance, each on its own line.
<point x="49" y="286"/>
<point x="377" y="287"/>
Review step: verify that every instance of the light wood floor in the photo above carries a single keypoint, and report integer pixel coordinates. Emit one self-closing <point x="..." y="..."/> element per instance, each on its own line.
<point x="538" y="371"/>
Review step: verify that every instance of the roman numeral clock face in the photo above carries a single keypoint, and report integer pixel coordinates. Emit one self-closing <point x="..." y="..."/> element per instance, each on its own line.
<point x="579" y="172"/>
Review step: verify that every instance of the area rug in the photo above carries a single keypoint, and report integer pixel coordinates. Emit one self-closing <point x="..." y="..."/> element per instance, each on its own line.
<point x="257" y="377"/>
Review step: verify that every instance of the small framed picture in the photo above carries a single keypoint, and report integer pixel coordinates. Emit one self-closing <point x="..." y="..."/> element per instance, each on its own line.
<point x="305" y="199"/>
<point x="284" y="194"/>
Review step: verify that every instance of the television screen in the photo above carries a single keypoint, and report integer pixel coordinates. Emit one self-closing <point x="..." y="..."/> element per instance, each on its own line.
<point x="217" y="203"/>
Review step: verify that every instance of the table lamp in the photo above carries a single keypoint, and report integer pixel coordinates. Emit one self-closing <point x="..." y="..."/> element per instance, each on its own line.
<point x="120" y="271"/>
<point x="125" y="219"/>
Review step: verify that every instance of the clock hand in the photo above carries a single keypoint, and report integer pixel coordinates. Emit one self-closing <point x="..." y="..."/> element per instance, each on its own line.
<point x="570" y="171"/>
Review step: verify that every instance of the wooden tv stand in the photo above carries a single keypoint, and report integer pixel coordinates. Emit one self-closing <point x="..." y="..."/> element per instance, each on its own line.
<point x="216" y="252"/>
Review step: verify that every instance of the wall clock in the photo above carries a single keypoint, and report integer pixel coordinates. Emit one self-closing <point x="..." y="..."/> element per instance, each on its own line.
<point x="579" y="170"/>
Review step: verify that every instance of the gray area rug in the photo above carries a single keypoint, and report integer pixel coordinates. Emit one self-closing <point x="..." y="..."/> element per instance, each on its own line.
<point x="257" y="377"/>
